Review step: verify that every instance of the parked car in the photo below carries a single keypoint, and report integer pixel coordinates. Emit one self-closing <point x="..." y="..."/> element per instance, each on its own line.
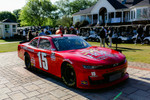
<point x="75" y="61"/>
<point x="125" y="39"/>
<point x="147" y="40"/>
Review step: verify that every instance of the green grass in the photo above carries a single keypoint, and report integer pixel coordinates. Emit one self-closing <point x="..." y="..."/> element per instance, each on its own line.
<point x="8" y="47"/>
<point x="134" y="53"/>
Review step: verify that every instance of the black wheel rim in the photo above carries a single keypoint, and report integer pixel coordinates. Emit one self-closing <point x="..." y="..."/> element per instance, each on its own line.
<point x="27" y="61"/>
<point x="69" y="76"/>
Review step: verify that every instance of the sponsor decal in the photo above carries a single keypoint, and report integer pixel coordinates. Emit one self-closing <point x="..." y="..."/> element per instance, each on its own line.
<point x="28" y="49"/>
<point x="93" y="73"/>
<point x="97" y="54"/>
<point x="53" y="57"/>
<point x="32" y="61"/>
<point x="84" y="82"/>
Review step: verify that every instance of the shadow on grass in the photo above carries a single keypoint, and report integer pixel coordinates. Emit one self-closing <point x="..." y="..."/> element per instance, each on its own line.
<point x="126" y="49"/>
<point x="120" y="90"/>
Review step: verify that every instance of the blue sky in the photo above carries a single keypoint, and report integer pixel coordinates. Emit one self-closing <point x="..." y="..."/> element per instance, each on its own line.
<point x="10" y="5"/>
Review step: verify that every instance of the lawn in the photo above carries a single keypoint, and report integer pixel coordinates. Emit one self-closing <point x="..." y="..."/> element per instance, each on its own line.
<point x="134" y="53"/>
<point x="9" y="47"/>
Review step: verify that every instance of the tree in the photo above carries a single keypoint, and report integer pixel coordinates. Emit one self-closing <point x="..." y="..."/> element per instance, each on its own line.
<point x="7" y="15"/>
<point x="16" y="13"/>
<point x="65" y="21"/>
<point x="36" y="12"/>
<point x="69" y="7"/>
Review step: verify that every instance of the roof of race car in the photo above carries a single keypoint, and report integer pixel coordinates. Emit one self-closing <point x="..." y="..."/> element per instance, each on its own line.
<point x="57" y="36"/>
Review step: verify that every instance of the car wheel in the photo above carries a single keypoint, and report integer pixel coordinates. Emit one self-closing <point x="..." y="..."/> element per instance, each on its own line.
<point x="146" y="41"/>
<point x="27" y="61"/>
<point x="68" y="75"/>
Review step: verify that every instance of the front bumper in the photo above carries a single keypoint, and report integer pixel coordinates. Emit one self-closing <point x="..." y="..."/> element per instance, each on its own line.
<point x="96" y="79"/>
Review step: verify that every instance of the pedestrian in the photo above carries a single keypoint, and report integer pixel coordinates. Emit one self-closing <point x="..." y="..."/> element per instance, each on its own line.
<point x="73" y="31"/>
<point x="102" y="37"/>
<point x="30" y="35"/>
<point x="24" y="35"/>
<point x="60" y="30"/>
<point x="49" y="32"/>
<point x="42" y="33"/>
<point x="139" y="34"/>
<point x="66" y="30"/>
<point x="109" y="33"/>
<point x="37" y="33"/>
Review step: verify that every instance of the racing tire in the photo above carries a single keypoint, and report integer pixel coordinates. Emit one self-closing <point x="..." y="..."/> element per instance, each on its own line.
<point x="68" y="75"/>
<point x="27" y="61"/>
<point x="146" y="41"/>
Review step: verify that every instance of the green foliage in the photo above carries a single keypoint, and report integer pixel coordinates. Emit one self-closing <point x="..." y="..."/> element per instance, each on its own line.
<point x="37" y="12"/>
<point x="69" y="7"/>
<point x="7" y="15"/>
<point x="65" y="21"/>
<point x="16" y="13"/>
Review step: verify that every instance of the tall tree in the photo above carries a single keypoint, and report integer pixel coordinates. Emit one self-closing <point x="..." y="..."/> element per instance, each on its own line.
<point x="36" y="12"/>
<point x="65" y="21"/>
<point x="68" y="7"/>
<point x="7" y="15"/>
<point x="16" y="13"/>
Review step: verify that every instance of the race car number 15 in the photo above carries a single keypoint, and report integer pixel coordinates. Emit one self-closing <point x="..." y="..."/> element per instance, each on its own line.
<point x="43" y="62"/>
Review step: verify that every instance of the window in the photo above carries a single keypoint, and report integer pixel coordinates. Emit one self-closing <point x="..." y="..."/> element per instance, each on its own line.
<point x="138" y="13"/>
<point x="34" y="43"/>
<point x="7" y="28"/>
<point x="145" y="13"/>
<point x="70" y="43"/>
<point x="14" y="28"/>
<point x="45" y="44"/>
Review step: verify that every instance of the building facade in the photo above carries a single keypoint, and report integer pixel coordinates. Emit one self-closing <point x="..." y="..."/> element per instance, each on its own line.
<point x="112" y="12"/>
<point x="8" y="28"/>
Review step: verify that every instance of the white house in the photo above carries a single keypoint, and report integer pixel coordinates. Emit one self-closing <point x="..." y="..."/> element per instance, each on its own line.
<point x="112" y="12"/>
<point x="8" y="28"/>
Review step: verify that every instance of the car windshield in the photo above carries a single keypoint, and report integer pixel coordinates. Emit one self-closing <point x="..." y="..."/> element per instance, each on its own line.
<point x="70" y="43"/>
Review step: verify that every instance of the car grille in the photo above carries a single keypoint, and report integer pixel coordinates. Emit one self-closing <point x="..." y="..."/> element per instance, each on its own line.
<point x="106" y="77"/>
<point x="111" y="66"/>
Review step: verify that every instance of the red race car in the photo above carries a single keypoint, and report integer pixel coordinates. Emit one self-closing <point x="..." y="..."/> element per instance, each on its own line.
<point x="75" y="61"/>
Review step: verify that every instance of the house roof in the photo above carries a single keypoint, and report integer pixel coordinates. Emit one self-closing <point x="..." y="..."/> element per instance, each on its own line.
<point x="85" y="11"/>
<point x="8" y="21"/>
<point x="117" y="4"/>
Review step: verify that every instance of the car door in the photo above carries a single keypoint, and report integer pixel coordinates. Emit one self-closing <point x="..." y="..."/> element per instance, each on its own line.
<point x="43" y="55"/>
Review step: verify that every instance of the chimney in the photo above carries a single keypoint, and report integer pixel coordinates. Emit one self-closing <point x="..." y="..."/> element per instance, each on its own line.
<point x="123" y="1"/>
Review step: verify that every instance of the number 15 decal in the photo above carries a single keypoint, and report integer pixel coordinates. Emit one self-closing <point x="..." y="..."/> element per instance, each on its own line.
<point x="43" y="62"/>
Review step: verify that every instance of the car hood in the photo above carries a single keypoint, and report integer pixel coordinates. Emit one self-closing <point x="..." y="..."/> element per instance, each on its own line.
<point x="94" y="55"/>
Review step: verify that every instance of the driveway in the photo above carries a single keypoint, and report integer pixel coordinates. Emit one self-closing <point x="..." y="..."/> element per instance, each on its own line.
<point x="17" y="83"/>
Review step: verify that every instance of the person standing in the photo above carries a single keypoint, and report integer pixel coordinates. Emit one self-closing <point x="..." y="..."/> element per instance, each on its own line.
<point x="110" y="31"/>
<point x="66" y="30"/>
<point x="102" y="36"/>
<point x="139" y="35"/>
<point x="73" y="31"/>
<point x="60" y="30"/>
<point x="24" y="34"/>
<point x="42" y="33"/>
<point x="30" y="35"/>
